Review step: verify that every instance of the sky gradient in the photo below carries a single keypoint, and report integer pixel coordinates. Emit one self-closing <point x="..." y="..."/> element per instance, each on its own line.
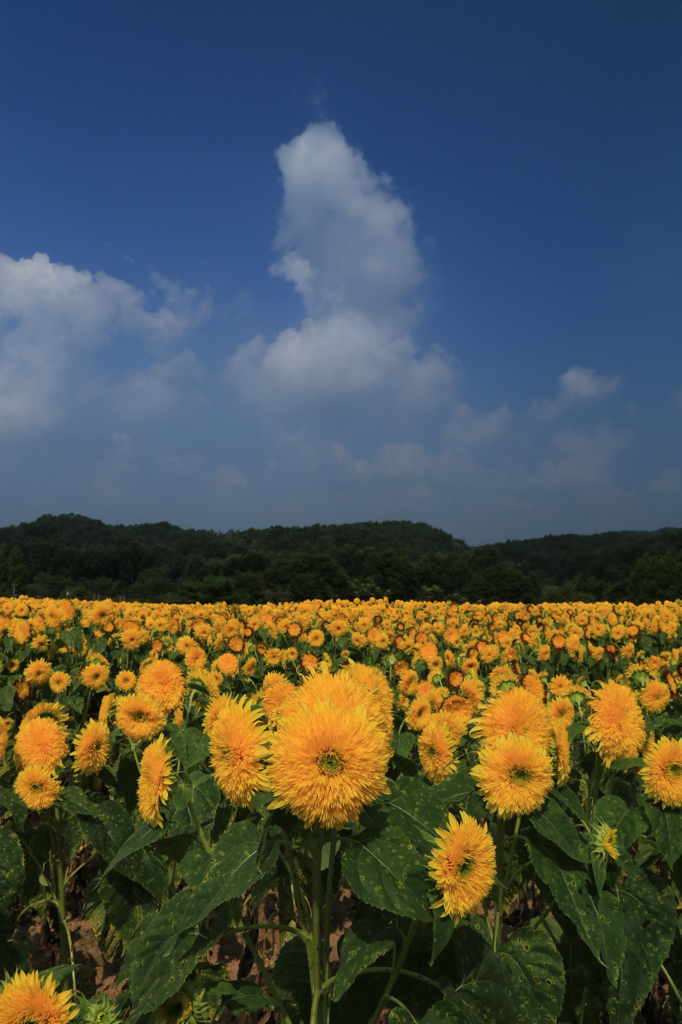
<point x="326" y="262"/>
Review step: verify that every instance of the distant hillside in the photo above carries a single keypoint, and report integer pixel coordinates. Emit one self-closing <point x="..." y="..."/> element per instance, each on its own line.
<point x="158" y="561"/>
<point x="625" y="565"/>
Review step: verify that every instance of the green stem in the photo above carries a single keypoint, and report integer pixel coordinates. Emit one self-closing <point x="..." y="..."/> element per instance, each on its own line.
<point x="65" y="943"/>
<point x="402" y="1007"/>
<point x="408" y="974"/>
<point x="199" y="830"/>
<point x="189" y="708"/>
<point x="314" y="949"/>
<point x="299" y="902"/>
<point x="328" y="907"/>
<point x="500" y="883"/>
<point x="132" y="747"/>
<point x="594" y="791"/>
<point x="274" y="991"/>
<point x="672" y="985"/>
<point x="395" y="973"/>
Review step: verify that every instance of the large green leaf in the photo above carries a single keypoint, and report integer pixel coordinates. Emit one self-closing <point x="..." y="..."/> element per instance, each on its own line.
<point x="292" y="977"/>
<point x="389" y="874"/>
<point x="537" y="977"/>
<point x="569" y="884"/>
<point x="364" y="942"/>
<point x="649" y="919"/>
<point x="554" y="824"/>
<point x="144" y="836"/>
<point x="11" y="868"/>
<point x="416" y="808"/>
<point x="77" y="801"/>
<point x="628" y="821"/>
<point x="667" y="829"/>
<point x="455" y="788"/>
<point x="14" y="804"/>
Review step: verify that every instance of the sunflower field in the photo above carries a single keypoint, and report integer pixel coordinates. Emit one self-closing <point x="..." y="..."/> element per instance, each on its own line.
<point x="340" y="812"/>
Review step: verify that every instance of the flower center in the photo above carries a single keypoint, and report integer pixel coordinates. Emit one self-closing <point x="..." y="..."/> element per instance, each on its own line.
<point x="520" y="776"/>
<point x="675" y="770"/>
<point x="330" y="763"/>
<point x="466" y="867"/>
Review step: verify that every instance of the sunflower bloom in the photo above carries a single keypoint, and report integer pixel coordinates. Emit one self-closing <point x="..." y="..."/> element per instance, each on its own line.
<point x="154" y="783"/>
<point x="25" y="998"/>
<point x="616" y="723"/>
<point x="37" y="673"/>
<point x="4" y="736"/>
<point x="126" y="681"/>
<point x="655" y="697"/>
<point x="418" y="714"/>
<point x="327" y="763"/>
<point x="59" y="681"/>
<point x="662" y="772"/>
<point x="37" y="787"/>
<point x="514" y="776"/>
<point x="91" y="748"/>
<point x="604" y="840"/>
<point x="562" y="710"/>
<point x="164" y="682"/>
<point x="516" y="712"/>
<point x="277" y="690"/>
<point x="435" y="746"/>
<point x="237" y="748"/>
<point x="463" y="866"/>
<point x="140" y="718"/>
<point x="563" y="753"/>
<point x="95" y="676"/>
<point x="41" y="743"/>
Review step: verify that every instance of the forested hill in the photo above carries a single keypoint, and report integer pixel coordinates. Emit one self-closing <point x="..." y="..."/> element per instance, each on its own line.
<point x="399" y="559"/>
<point x="161" y="562"/>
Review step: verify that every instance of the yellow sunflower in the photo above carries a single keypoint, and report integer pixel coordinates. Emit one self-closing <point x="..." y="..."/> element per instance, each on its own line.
<point x="37" y="787"/>
<point x="37" y="673"/>
<point x="435" y="746"/>
<point x="227" y="664"/>
<point x="59" y="681"/>
<point x="662" y="772"/>
<point x="140" y="718"/>
<point x="563" y="753"/>
<point x="327" y="763"/>
<point x="164" y="682"/>
<point x="91" y="748"/>
<point x="40" y="742"/>
<point x="562" y="710"/>
<point x="154" y="783"/>
<point x="277" y="690"/>
<point x="5" y="724"/>
<point x="418" y="714"/>
<point x="516" y="712"/>
<point x="513" y="775"/>
<point x="616" y="723"/>
<point x="237" y="747"/>
<point x="463" y="866"/>
<point x="655" y="697"/>
<point x="95" y="676"/>
<point x="25" y="999"/>
<point x="126" y="681"/>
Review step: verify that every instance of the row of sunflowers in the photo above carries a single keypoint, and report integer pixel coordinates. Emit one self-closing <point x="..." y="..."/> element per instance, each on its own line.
<point x="499" y="787"/>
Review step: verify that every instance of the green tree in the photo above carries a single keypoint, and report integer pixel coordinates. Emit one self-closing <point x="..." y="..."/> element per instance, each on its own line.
<point x="16" y="566"/>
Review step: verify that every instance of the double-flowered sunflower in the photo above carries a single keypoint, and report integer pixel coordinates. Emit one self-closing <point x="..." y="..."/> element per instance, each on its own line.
<point x="616" y="723"/>
<point x="154" y="783"/>
<point x="237" y="747"/>
<point x="662" y="772"/>
<point x="517" y="712"/>
<point x="514" y="776"/>
<point x="462" y="865"/>
<point x="25" y="999"/>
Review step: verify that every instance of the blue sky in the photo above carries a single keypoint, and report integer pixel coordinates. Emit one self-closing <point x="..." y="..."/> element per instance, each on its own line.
<point x="326" y="262"/>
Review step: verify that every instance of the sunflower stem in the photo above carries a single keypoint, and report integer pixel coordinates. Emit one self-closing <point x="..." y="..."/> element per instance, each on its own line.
<point x="199" y="830"/>
<point x="65" y="943"/>
<point x="328" y="906"/>
<point x="395" y="973"/>
<point x="594" y="788"/>
<point x="132" y="747"/>
<point x="500" y="883"/>
<point x="299" y="902"/>
<point x="314" y="948"/>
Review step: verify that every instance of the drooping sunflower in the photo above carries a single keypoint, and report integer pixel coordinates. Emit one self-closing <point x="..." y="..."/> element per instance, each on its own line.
<point x="662" y="772"/>
<point x="603" y="842"/>
<point x="37" y="787"/>
<point x="463" y="866"/>
<point x="516" y="712"/>
<point x="126" y="681"/>
<point x="140" y="718"/>
<point x="435" y="746"/>
<point x="164" y="682"/>
<point x="41" y="742"/>
<point x="59" y="681"/>
<point x="616" y="723"/>
<point x="154" y="783"/>
<point x="237" y="747"/>
<point x="108" y="701"/>
<point x="25" y="999"/>
<point x="655" y="696"/>
<point x="327" y="763"/>
<point x="175" y="1010"/>
<point x="94" y="676"/>
<point x="38" y="672"/>
<point x="91" y="748"/>
<point x="513" y="775"/>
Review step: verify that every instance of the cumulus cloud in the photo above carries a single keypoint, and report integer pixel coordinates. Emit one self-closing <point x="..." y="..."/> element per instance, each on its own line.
<point x="576" y="385"/>
<point x="52" y="314"/>
<point x="348" y="247"/>
<point x="154" y="391"/>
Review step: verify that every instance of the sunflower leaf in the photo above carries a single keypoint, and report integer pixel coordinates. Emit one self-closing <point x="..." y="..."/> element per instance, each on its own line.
<point x="667" y="829"/>
<point x="536" y="973"/>
<point x="362" y="944"/>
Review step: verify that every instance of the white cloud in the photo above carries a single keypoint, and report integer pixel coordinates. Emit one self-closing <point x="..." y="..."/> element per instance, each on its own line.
<point x="348" y="248"/>
<point x="52" y="314"/>
<point x="576" y="385"/>
<point x="155" y="391"/>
